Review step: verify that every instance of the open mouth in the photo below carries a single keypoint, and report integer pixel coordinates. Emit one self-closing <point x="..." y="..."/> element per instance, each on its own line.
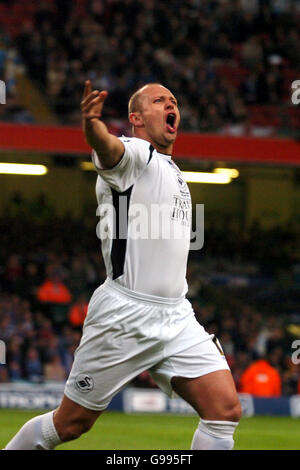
<point x="170" y="121"/>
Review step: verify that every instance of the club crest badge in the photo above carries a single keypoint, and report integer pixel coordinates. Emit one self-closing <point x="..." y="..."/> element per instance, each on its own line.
<point x="84" y="383"/>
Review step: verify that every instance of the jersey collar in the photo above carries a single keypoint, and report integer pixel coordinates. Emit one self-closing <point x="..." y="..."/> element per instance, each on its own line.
<point x="166" y="156"/>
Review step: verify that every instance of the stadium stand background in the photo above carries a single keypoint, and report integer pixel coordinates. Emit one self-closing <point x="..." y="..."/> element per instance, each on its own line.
<point x="231" y="63"/>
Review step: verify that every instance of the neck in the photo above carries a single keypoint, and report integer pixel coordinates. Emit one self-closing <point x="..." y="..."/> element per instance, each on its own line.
<point x="167" y="150"/>
<point x="160" y="148"/>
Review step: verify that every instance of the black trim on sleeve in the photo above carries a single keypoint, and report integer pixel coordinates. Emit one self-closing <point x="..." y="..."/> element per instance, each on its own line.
<point x="118" y="250"/>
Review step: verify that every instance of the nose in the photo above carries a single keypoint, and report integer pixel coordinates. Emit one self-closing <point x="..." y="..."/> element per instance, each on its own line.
<point x="170" y="105"/>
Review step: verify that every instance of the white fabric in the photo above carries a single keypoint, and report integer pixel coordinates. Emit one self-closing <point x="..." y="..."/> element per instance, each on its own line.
<point x="157" y="247"/>
<point x="38" y="433"/>
<point x="214" y="435"/>
<point x="124" y="336"/>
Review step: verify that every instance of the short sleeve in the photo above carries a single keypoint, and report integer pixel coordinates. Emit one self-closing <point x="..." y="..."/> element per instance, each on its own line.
<point x="132" y="164"/>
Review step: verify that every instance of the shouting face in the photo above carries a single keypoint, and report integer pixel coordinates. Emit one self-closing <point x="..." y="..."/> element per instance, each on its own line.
<point x="154" y="114"/>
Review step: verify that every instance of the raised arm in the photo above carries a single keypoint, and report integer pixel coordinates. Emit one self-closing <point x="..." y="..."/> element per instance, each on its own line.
<point x="108" y="147"/>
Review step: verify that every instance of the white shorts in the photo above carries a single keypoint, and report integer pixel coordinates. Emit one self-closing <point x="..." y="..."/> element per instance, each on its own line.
<point x="125" y="334"/>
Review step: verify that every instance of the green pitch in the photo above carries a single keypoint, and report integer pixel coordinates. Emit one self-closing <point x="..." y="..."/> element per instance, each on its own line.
<point x="118" y="431"/>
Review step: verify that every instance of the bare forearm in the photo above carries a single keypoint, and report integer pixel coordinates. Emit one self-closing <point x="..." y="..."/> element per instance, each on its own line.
<point x="108" y="147"/>
<point x="98" y="137"/>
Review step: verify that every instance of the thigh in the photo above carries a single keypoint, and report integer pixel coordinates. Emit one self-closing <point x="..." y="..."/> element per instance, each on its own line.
<point x="212" y="395"/>
<point x="70" y="412"/>
<point x="193" y="353"/>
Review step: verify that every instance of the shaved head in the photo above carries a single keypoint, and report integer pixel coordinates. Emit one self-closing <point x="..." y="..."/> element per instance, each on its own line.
<point x="135" y="102"/>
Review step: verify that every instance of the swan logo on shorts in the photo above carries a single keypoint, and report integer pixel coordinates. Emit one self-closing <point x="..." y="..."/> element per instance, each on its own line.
<point x="84" y="383"/>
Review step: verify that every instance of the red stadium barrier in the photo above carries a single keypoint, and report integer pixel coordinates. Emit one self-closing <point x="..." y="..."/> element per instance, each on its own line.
<point x="70" y="140"/>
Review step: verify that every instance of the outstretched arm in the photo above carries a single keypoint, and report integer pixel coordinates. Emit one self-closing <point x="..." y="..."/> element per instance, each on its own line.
<point x="108" y="147"/>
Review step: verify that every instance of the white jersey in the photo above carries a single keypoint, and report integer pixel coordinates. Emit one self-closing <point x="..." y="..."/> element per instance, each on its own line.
<point x="144" y="206"/>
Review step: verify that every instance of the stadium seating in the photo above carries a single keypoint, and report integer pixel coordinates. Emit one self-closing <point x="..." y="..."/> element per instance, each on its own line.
<point x="68" y="43"/>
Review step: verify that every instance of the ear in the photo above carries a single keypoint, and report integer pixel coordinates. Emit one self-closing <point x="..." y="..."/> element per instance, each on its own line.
<point x="136" y="119"/>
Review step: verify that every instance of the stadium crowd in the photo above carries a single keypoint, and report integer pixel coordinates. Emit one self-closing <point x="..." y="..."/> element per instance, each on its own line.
<point x="10" y="66"/>
<point x="241" y="290"/>
<point x="230" y="62"/>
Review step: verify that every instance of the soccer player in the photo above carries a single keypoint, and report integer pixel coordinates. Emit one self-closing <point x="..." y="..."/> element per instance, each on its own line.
<point x="140" y="319"/>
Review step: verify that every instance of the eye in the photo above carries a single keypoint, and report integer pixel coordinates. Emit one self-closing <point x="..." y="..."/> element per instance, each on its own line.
<point x="157" y="99"/>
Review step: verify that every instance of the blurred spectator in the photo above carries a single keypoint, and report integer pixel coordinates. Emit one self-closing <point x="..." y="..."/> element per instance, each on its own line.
<point x="54" y="291"/>
<point x="30" y="281"/>
<point x="290" y="375"/>
<point x="261" y="379"/>
<point x="79" y="276"/>
<point x="25" y="324"/>
<point x="50" y="349"/>
<point x="33" y="366"/>
<point x="44" y="328"/>
<point x="13" y="273"/>
<point x="55" y="295"/>
<point x="249" y="88"/>
<point x="68" y="357"/>
<point x="4" y="377"/>
<point x="15" y="371"/>
<point x="14" y="350"/>
<point x="252" y="52"/>
<point x="7" y="327"/>
<point x="227" y="345"/>
<point x="78" y="311"/>
<point x="54" y="370"/>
